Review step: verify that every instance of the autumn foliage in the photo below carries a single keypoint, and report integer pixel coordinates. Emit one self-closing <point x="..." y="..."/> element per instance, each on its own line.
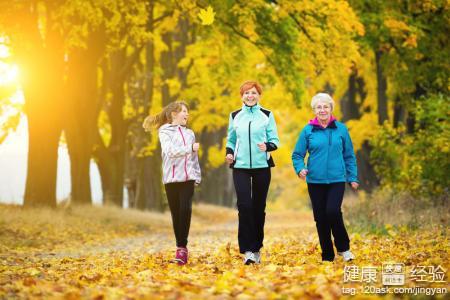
<point x="85" y="74"/>
<point x="108" y="253"/>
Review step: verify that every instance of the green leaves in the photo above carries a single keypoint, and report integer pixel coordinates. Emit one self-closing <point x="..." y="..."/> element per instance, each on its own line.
<point x="416" y="162"/>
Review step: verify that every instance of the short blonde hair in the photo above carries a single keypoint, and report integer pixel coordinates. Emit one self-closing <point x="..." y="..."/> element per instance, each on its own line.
<point x="322" y="97"/>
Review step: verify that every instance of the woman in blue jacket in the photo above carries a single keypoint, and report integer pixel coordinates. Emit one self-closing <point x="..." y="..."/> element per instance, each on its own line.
<point x="331" y="163"/>
<point x="252" y="135"/>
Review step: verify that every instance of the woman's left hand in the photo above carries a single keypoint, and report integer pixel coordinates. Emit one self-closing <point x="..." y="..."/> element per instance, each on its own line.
<point x="354" y="185"/>
<point x="262" y="147"/>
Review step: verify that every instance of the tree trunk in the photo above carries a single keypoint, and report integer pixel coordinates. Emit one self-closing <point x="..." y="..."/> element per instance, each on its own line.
<point x="217" y="186"/>
<point x="399" y="112"/>
<point x="351" y="110"/>
<point x="111" y="158"/>
<point x="101" y="156"/>
<point x="149" y="193"/>
<point x="42" y="80"/>
<point x="381" y="89"/>
<point x="116" y="158"/>
<point x="411" y="117"/>
<point x="83" y="107"/>
<point x="168" y="66"/>
<point x="349" y="106"/>
<point x="44" y="130"/>
<point x="149" y="186"/>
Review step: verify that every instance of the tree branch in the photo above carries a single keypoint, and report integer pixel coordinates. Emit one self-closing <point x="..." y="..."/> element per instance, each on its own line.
<point x="293" y="17"/>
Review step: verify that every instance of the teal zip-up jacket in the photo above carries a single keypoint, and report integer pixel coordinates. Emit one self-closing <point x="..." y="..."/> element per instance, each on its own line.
<point x="249" y="126"/>
<point x="331" y="156"/>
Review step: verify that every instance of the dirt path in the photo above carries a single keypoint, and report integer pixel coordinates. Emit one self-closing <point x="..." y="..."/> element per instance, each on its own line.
<point x="138" y="265"/>
<point x="203" y="236"/>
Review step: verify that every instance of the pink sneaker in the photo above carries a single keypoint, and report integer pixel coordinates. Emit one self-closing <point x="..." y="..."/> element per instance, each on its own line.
<point x="181" y="256"/>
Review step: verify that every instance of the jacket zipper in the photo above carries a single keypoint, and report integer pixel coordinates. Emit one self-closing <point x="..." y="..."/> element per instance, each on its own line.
<point x="328" y="154"/>
<point x="173" y="171"/>
<point x="185" y="157"/>
<point x="329" y="138"/>
<point x="329" y="132"/>
<point x="250" y="143"/>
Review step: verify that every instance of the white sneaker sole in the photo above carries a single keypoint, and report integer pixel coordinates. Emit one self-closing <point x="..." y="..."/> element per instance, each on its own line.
<point x="346" y="259"/>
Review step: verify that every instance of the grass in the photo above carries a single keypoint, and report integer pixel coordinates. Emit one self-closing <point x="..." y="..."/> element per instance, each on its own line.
<point x="383" y="210"/>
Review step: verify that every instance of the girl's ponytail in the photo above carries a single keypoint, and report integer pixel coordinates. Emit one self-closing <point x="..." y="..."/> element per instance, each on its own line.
<point x="164" y="117"/>
<point x="154" y="121"/>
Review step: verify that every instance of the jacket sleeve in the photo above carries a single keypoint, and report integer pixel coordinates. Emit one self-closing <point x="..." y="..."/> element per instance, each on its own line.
<point x="298" y="156"/>
<point x="350" y="159"/>
<point x="273" y="142"/>
<point x="231" y="137"/>
<point x="197" y="170"/>
<point x="170" y="149"/>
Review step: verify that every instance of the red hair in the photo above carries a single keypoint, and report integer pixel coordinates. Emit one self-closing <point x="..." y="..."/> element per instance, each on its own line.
<point x="248" y="85"/>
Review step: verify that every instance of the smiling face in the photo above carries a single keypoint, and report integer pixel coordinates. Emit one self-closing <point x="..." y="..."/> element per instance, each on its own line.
<point x="323" y="111"/>
<point x="180" y="118"/>
<point x="250" y="97"/>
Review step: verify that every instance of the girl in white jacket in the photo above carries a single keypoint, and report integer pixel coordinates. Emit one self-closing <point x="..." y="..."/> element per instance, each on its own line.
<point x="181" y="169"/>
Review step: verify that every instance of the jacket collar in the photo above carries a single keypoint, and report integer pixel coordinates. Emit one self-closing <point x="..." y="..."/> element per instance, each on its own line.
<point x="331" y="124"/>
<point x="251" y="109"/>
<point x="169" y="126"/>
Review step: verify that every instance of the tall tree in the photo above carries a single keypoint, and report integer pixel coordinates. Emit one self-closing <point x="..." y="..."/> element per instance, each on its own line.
<point x="352" y="109"/>
<point x="82" y="110"/>
<point x="147" y="179"/>
<point x="38" y="49"/>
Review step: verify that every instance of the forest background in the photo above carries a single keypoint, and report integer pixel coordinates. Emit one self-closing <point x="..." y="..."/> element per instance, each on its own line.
<point x="85" y="74"/>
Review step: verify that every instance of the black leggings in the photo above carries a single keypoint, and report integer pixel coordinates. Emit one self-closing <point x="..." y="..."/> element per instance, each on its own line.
<point x="179" y="195"/>
<point x="326" y="202"/>
<point x="251" y="187"/>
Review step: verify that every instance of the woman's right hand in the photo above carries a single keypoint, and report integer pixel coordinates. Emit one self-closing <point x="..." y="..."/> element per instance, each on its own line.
<point x="302" y="174"/>
<point x="195" y="147"/>
<point x="229" y="159"/>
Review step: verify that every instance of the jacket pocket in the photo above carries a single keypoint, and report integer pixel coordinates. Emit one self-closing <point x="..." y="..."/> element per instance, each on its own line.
<point x="173" y="171"/>
<point x="260" y="158"/>
<point x="336" y="169"/>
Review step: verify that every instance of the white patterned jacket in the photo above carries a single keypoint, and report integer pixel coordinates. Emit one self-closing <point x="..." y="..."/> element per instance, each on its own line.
<point x="179" y="162"/>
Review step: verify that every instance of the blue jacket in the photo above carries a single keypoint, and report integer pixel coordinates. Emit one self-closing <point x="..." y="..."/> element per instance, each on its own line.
<point x="331" y="156"/>
<point x="248" y="127"/>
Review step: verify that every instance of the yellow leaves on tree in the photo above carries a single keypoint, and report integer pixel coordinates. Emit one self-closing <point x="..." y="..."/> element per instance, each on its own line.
<point x="207" y="15"/>
<point x="363" y="129"/>
<point x="401" y="30"/>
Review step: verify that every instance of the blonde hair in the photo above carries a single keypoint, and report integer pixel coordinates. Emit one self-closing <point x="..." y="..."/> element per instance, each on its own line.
<point x="322" y="97"/>
<point x="165" y="116"/>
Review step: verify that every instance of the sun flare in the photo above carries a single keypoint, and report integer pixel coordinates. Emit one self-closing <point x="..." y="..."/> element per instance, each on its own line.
<point x="9" y="74"/>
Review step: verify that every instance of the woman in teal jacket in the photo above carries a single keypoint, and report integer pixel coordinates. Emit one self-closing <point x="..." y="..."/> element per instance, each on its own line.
<point x="252" y="135"/>
<point x="331" y="163"/>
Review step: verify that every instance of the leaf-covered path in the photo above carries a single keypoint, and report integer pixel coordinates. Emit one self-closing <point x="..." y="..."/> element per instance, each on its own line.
<point x="105" y="253"/>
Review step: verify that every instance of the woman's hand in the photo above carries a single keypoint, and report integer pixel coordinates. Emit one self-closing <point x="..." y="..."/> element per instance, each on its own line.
<point x="195" y="147"/>
<point x="302" y="174"/>
<point x="262" y="147"/>
<point x="229" y="159"/>
<point x="354" y="185"/>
